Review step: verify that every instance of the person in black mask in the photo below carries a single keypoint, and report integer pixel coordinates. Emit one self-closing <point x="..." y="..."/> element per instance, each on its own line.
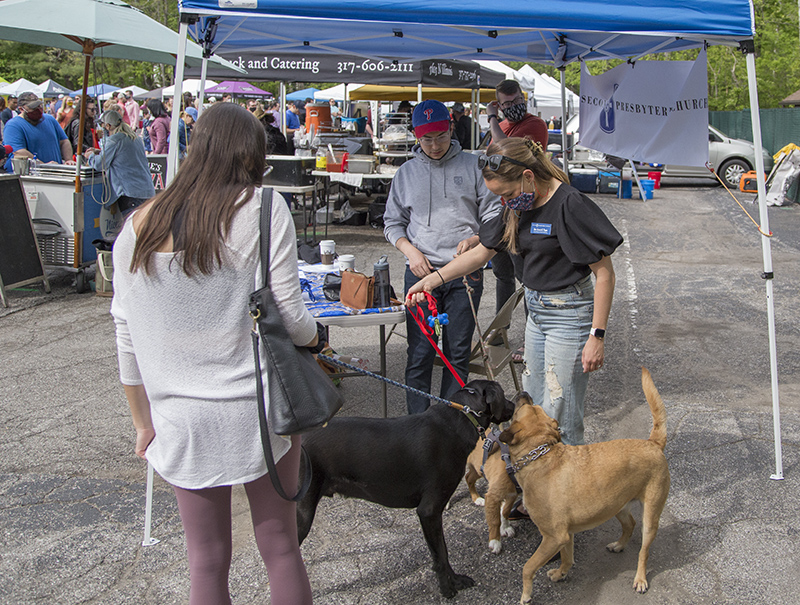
<point x="34" y="133"/>
<point x="518" y="123"/>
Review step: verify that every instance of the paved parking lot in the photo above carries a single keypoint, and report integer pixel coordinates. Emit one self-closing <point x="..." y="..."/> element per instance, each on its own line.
<point x="690" y="305"/>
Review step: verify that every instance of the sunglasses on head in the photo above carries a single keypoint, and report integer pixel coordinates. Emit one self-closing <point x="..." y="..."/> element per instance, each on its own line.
<point x="494" y="161"/>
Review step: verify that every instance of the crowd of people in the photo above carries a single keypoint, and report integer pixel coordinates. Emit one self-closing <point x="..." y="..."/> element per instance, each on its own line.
<point x="195" y="247"/>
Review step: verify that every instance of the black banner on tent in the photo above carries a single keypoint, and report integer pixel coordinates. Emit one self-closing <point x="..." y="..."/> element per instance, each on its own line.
<point x="294" y="67"/>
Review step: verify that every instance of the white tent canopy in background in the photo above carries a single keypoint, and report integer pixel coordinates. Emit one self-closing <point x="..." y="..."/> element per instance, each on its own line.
<point x="19" y="86"/>
<point x="137" y="90"/>
<point x="192" y="86"/>
<point x="335" y="92"/>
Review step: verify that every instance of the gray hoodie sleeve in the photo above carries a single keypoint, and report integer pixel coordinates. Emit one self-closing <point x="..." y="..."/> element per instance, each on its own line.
<point x="489" y="205"/>
<point x="397" y="214"/>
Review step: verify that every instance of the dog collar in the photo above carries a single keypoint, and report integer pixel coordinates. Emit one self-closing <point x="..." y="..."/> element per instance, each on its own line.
<point x="469" y="413"/>
<point x="535" y="453"/>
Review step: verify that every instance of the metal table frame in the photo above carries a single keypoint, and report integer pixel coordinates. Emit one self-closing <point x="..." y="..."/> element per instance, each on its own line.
<point x="370" y="319"/>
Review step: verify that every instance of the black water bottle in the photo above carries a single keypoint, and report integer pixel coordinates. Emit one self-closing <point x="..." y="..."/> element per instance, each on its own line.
<point x="382" y="284"/>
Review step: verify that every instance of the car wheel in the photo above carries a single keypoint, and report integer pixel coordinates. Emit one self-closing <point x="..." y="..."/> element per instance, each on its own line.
<point x="731" y="172"/>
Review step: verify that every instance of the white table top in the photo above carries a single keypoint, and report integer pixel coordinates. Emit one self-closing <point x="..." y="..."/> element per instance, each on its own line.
<point x="293" y="189"/>
<point x="373" y="175"/>
<point x="369" y="319"/>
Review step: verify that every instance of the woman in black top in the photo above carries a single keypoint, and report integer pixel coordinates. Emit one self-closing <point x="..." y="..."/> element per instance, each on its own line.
<point x="562" y="238"/>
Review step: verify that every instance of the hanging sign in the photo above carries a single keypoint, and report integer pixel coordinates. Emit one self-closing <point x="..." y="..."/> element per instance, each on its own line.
<point x="648" y="111"/>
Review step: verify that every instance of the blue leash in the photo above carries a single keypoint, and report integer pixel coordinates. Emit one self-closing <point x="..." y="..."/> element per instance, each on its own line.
<point x="468" y="411"/>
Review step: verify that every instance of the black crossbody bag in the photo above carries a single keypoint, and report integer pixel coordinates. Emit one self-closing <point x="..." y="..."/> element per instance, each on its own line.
<point x="301" y="395"/>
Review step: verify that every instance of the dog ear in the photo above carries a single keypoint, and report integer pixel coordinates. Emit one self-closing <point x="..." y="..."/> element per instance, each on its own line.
<point x="507" y="436"/>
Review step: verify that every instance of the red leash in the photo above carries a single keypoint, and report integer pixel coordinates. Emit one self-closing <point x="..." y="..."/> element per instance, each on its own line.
<point x="433" y="327"/>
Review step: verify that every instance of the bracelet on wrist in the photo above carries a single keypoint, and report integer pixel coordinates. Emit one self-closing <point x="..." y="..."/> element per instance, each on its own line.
<point x="440" y="276"/>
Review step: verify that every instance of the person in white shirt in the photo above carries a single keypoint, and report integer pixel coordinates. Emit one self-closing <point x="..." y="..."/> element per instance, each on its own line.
<point x="185" y="264"/>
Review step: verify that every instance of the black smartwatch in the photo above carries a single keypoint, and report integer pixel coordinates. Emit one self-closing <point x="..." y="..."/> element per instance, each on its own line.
<point x="493" y="116"/>
<point x="598" y="333"/>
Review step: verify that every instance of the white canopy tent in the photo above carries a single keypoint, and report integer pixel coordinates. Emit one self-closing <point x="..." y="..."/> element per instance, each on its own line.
<point x="557" y="32"/>
<point x="137" y="90"/>
<point x="19" y="86"/>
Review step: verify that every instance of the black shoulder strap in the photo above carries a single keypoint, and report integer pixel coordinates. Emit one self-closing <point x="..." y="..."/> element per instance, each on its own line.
<point x="266" y="220"/>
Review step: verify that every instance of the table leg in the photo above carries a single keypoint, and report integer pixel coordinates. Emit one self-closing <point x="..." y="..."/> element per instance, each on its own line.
<point x="383" y="367"/>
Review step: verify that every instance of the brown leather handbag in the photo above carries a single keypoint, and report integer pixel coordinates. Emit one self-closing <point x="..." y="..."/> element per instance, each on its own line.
<point x="358" y="290"/>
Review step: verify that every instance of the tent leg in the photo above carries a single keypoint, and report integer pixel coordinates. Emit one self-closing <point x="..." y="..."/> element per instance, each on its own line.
<point x="564" y="150"/>
<point x="148" y="509"/>
<point x="172" y="157"/>
<point x="201" y="95"/>
<point x="766" y="251"/>
<point x="283" y="108"/>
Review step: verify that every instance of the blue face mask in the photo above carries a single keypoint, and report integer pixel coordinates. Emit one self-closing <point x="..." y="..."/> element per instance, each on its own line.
<point x="524" y="201"/>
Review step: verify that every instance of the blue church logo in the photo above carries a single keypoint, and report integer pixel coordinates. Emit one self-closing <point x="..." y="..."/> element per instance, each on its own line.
<point x="607" y="120"/>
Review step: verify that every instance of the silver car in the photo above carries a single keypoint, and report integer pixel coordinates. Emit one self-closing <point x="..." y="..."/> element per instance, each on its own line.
<point x="730" y="158"/>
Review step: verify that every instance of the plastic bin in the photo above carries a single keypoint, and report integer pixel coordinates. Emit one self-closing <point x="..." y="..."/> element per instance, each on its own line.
<point x="626" y="188"/>
<point x="584" y="179"/>
<point x="647" y="188"/>
<point x="609" y="182"/>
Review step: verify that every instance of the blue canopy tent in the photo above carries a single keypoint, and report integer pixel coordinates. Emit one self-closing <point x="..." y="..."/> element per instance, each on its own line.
<point x="95" y="91"/>
<point x="301" y="95"/>
<point x="556" y="32"/>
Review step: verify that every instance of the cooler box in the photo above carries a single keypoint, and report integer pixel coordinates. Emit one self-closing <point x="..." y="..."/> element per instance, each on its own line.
<point x="290" y="170"/>
<point x="584" y="179"/>
<point x="609" y="182"/>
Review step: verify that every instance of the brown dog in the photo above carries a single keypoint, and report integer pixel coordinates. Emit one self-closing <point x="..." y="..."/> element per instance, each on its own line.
<point x="567" y="489"/>
<point x="501" y="491"/>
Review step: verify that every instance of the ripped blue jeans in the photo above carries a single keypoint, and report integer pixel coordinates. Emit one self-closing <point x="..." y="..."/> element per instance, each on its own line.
<point x="555" y="333"/>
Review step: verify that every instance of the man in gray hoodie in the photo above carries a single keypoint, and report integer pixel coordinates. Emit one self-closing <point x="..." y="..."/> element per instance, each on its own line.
<point x="436" y="204"/>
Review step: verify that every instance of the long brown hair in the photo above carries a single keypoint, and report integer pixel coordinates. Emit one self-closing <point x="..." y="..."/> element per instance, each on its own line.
<point x="224" y="165"/>
<point x="535" y="159"/>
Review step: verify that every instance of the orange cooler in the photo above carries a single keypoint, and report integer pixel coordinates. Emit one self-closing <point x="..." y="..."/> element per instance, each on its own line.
<point x="319" y="114"/>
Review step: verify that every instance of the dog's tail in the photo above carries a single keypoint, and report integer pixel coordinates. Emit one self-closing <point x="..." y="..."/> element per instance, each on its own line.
<point x="659" y="433"/>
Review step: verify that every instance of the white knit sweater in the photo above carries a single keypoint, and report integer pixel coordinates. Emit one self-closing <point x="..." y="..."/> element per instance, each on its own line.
<point x="187" y="340"/>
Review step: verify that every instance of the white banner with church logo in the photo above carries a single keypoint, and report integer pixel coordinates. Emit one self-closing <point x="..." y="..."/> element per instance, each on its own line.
<point x="648" y="111"/>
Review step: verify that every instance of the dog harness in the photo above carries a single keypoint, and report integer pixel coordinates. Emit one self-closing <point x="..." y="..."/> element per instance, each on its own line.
<point x="489" y="440"/>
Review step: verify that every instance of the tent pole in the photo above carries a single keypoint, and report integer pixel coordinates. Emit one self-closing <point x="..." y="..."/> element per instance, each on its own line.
<point x="283" y="107"/>
<point x="473" y="113"/>
<point x="419" y="92"/>
<point x="346" y="107"/>
<point x="201" y="94"/>
<point x="172" y="154"/>
<point x="766" y="251"/>
<point x="564" y="150"/>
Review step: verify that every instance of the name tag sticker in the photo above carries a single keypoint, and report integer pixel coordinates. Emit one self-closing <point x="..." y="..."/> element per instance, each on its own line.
<point x="541" y="228"/>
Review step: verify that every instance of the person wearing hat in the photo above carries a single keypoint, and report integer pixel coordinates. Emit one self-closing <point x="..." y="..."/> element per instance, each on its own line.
<point x="436" y="205"/>
<point x="35" y="133"/>
<point x="124" y="161"/>
<point x="462" y="126"/>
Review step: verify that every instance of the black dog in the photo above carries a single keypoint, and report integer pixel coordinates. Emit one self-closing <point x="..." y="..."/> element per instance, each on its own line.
<point x="414" y="461"/>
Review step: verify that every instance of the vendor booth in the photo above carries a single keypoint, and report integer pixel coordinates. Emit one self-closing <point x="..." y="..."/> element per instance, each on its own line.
<point x="558" y="33"/>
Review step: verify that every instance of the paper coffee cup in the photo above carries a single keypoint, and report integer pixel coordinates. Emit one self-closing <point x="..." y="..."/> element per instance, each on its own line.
<point x="327" y="248"/>
<point x="347" y="262"/>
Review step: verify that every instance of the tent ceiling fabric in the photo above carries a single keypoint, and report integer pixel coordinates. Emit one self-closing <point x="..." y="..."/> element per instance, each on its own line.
<point x="475" y="29"/>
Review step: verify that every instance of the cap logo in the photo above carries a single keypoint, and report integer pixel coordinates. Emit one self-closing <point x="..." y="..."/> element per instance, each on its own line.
<point x="428" y="113"/>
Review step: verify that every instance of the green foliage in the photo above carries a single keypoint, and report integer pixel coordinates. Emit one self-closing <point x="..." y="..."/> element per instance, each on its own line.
<point x="777" y="61"/>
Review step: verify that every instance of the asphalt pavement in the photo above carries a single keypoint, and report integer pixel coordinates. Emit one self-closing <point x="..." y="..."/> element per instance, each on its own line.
<point x="690" y="305"/>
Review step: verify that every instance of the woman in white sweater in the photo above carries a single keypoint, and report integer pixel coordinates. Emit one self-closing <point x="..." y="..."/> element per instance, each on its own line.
<point x="185" y="264"/>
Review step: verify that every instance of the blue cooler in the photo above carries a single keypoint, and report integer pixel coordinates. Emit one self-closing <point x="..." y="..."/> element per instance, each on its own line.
<point x="584" y="179"/>
<point x="609" y="182"/>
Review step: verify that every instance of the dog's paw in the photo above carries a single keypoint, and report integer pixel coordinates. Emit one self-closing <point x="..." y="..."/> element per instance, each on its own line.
<point x="556" y="575"/>
<point x="524" y="600"/>
<point x="640" y="585"/>
<point x="495" y="546"/>
<point x="479" y="502"/>
<point x="463" y="582"/>
<point x="506" y="529"/>
<point x="615" y="547"/>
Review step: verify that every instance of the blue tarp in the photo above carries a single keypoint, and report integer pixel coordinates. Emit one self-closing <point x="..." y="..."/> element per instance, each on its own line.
<point x="476" y="29"/>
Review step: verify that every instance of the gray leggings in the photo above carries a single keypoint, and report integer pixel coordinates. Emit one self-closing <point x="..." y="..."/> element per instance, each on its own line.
<point x="206" y="516"/>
